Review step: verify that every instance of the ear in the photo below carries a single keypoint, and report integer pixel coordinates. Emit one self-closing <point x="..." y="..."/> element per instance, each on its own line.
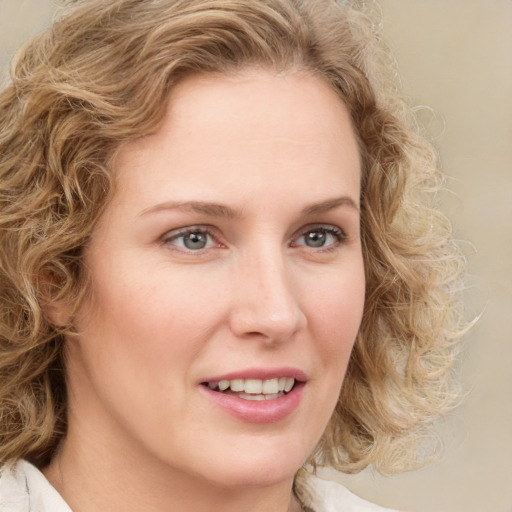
<point x="54" y="303"/>
<point x="57" y="312"/>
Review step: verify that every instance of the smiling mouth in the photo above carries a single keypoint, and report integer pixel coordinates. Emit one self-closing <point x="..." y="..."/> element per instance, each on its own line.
<point x="254" y="389"/>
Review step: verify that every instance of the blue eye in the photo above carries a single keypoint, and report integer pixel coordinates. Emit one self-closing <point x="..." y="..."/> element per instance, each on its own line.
<point x="321" y="237"/>
<point x="192" y="240"/>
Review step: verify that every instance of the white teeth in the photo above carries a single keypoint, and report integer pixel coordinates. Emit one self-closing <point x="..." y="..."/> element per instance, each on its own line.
<point x="260" y="398"/>
<point x="270" y="387"/>
<point x="289" y="384"/>
<point x="223" y="385"/>
<point x="255" y="387"/>
<point x="237" y="385"/>
<point x="247" y="396"/>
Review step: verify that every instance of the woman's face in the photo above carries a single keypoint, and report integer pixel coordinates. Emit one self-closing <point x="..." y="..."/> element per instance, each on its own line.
<point x="227" y="284"/>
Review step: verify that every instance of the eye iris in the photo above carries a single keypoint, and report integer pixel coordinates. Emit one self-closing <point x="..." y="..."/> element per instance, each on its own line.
<point x="195" y="240"/>
<point x="315" y="238"/>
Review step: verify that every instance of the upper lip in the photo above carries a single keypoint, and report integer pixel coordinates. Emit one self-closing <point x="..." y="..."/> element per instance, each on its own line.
<point x="259" y="373"/>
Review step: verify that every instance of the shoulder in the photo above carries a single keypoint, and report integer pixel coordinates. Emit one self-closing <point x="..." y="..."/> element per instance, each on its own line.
<point x="23" y="488"/>
<point x="329" y="496"/>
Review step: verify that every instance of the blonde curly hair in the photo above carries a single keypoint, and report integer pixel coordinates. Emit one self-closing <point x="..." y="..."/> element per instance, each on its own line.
<point x="98" y="78"/>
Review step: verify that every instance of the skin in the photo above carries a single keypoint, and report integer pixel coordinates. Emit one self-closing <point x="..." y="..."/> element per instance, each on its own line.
<point x="278" y="154"/>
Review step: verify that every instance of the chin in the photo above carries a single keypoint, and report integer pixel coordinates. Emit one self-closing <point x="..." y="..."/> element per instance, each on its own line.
<point x="255" y="476"/>
<point x="261" y="466"/>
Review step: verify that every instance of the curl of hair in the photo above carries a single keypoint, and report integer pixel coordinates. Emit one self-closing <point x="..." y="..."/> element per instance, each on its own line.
<point x="99" y="77"/>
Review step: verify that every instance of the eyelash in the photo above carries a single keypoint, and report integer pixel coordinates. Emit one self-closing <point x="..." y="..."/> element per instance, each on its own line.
<point x="337" y="233"/>
<point x="171" y="237"/>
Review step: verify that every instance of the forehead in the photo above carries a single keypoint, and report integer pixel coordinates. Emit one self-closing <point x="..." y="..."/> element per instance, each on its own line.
<point x="281" y="101"/>
<point x="256" y="126"/>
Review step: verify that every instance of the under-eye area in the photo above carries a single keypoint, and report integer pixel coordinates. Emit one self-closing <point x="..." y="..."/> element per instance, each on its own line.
<point x="254" y="389"/>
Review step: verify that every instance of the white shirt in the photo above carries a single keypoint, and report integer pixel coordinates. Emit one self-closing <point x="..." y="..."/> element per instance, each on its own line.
<point x="23" y="488"/>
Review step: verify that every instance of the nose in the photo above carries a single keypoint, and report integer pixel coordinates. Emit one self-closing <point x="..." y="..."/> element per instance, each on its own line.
<point x="266" y="300"/>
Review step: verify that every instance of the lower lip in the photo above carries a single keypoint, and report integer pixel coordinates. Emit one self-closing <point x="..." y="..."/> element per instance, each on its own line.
<point x="254" y="411"/>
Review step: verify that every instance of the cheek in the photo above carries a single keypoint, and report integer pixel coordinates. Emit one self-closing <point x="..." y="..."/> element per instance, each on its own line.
<point x="156" y="316"/>
<point x="139" y="338"/>
<point x="335" y="312"/>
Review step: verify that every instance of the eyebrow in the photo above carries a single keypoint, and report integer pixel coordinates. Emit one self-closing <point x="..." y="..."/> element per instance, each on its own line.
<point x="330" y="204"/>
<point x="221" y="210"/>
<point x="203" y="207"/>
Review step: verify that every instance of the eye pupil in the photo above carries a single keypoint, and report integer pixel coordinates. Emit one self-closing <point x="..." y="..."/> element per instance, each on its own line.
<point x="195" y="240"/>
<point x="315" y="238"/>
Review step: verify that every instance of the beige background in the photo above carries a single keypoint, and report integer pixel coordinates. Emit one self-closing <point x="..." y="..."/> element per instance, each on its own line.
<point x="456" y="57"/>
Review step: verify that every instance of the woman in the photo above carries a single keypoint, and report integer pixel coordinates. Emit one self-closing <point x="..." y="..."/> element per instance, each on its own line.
<point x="220" y="261"/>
